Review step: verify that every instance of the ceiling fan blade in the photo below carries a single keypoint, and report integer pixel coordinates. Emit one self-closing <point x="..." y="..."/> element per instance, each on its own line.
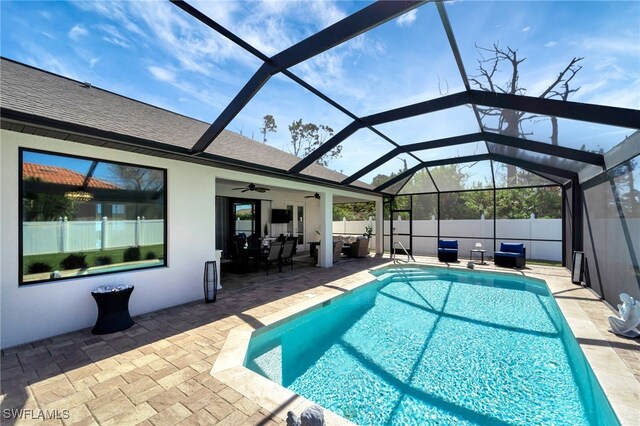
<point x="244" y="190"/>
<point x="260" y="190"/>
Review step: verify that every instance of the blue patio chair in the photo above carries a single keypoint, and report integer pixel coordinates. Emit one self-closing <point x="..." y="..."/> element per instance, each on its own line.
<point x="511" y="255"/>
<point x="448" y="250"/>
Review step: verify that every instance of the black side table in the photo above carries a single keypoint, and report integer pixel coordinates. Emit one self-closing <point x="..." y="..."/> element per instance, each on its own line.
<point x="113" y="310"/>
<point x="482" y="252"/>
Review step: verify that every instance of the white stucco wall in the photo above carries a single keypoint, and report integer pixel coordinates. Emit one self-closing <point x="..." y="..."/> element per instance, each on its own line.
<point x="35" y="311"/>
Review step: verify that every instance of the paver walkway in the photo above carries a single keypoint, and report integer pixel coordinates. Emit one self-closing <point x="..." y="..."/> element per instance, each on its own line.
<point x="158" y="371"/>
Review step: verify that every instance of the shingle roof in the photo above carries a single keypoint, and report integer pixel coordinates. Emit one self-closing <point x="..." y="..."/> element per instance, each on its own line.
<point x="32" y="91"/>
<point x="60" y="175"/>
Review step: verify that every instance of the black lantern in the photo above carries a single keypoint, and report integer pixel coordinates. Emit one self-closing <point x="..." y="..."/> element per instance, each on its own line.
<point x="210" y="281"/>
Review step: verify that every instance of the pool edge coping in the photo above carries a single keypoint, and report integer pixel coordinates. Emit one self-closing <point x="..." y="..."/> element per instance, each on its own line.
<point x="619" y="384"/>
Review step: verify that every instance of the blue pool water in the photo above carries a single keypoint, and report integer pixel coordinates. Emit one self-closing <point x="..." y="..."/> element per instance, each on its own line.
<point x="432" y="346"/>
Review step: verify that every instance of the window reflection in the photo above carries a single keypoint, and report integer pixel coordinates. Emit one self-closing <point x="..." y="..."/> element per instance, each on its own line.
<point x="83" y="216"/>
<point x="244" y="218"/>
<point x="626" y="178"/>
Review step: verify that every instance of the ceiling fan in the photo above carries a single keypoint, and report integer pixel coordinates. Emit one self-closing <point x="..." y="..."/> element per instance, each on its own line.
<point x="316" y="196"/>
<point x="252" y="187"/>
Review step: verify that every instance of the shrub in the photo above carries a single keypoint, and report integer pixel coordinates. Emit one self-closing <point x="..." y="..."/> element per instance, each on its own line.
<point x="38" y="267"/>
<point x="74" y="261"/>
<point x="103" y="260"/>
<point x="132" y="254"/>
<point x="150" y="256"/>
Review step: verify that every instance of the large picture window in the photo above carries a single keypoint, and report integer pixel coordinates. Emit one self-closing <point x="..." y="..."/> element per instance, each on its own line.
<point x="83" y="216"/>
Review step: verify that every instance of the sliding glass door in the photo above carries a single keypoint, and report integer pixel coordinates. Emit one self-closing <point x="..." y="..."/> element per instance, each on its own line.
<point x="243" y="217"/>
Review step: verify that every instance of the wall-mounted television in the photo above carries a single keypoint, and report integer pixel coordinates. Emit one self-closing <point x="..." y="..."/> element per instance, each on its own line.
<point x="279" y="216"/>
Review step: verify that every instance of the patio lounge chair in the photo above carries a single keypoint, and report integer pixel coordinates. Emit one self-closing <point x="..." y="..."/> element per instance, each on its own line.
<point x="359" y="248"/>
<point x="511" y="255"/>
<point x="295" y="244"/>
<point x="448" y="250"/>
<point x="239" y="262"/>
<point x="287" y="254"/>
<point x="337" y="250"/>
<point x="273" y="255"/>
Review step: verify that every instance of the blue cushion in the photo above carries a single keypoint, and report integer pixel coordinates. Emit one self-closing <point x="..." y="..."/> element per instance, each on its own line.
<point x="507" y="254"/>
<point x="448" y="244"/>
<point x="447" y="250"/>
<point x="512" y="247"/>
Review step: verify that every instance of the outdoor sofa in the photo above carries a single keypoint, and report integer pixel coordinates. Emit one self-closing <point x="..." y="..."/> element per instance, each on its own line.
<point x="358" y="248"/>
<point x="511" y="255"/>
<point x="448" y="250"/>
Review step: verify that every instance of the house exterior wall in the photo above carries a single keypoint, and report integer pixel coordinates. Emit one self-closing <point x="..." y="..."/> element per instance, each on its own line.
<point x="36" y="311"/>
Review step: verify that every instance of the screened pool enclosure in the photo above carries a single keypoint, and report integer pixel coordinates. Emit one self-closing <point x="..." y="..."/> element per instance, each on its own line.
<point x="485" y="122"/>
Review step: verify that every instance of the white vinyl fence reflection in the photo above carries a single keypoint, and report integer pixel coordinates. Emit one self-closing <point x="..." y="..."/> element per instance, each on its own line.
<point x="64" y="236"/>
<point x="469" y="232"/>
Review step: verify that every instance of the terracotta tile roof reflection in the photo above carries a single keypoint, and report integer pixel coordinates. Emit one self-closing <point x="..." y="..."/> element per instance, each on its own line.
<point x="62" y="176"/>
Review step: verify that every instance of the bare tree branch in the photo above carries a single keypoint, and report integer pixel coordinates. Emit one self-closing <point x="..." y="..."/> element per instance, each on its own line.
<point x="572" y="69"/>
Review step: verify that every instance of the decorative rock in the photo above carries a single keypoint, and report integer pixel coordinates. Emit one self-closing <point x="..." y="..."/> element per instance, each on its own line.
<point x="470" y="265"/>
<point x="109" y="289"/>
<point x="292" y="419"/>
<point x="312" y="416"/>
<point x="627" y="324"/>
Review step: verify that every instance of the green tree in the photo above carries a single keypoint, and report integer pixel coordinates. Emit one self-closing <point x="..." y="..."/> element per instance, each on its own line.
<point x="354" y="211"/>
<point x="425" y="206"/>
<point x="43" y="206"/>
<point x="478" y="204"/>
<point x="382" y="178"/>
<point x="307" y="137"/>
<point x="268" y="126"/>
<point x="520" y="203"/>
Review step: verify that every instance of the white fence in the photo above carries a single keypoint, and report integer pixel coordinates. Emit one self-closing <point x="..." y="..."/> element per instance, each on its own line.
<point x="64" y="236"/>
<point x="470" y="232"/>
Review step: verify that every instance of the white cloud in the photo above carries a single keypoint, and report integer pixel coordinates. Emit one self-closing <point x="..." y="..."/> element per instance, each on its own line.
<point x="162" y="74"/>
<point x="113" y="35"/>
<point x="551" y="44"/>
<point x="46" y="34"/>
<point x="526" y="29"/>
<point x="116" y="11"/>
<point x="93" y="62"/>
<point x="326" y="13"/>
<point x="623" y="45"/>
<point x="77" y="32"/>
<point x="408" y="18"/>
<point x="42" y="59"/>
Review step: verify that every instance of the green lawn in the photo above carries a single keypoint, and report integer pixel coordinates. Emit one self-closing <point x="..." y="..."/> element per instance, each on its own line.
<point x="116" y="255"/>
<point x="544" y="262"/>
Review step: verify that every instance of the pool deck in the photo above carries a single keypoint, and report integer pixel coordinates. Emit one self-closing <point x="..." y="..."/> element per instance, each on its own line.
<point x="182" y="365"/>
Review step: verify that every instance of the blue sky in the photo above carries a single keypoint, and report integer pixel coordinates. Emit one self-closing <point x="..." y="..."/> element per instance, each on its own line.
<point x="153" y="52"/>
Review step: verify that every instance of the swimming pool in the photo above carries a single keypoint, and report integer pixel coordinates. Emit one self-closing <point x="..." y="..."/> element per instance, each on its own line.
<point x="433" y="346"/>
